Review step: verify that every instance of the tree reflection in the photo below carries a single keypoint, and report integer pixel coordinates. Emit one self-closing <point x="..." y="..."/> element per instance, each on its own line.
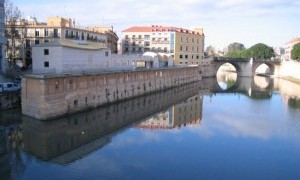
<point x="294" y="103"/>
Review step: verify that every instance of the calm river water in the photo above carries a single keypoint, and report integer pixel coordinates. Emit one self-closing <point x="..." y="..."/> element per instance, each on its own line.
<point x="233" y="128"/>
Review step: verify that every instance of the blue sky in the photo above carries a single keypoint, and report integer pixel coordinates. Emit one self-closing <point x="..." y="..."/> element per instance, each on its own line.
<point x="272" y="22"/>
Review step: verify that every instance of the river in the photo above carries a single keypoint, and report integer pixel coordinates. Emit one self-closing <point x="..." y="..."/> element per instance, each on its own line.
<point x="224" y="128"/>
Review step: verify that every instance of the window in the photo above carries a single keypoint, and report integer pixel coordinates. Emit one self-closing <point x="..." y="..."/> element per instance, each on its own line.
<point x="186" y="48"/>
<point x="181" y="56"/>
<point x="46" y="51"/>
<point x="147" y="37"/>
<point x="106" y="53"/>
<point x="55" y="32"/>
<point x="46" y="64"/>
<point x="165" y="49"/>
<point x="46" y="40"/>
<point x="180" y="48"/>
<point x="46" y="32"/>
<point x="147" y="43"/>
<point x="37" y="33"/>
<point x="186" y="56"/>
<point x="67" y="34"/>
<point x="56" y="84"/>
<point x="27" y="43"/>
<point x="37" y="41"/>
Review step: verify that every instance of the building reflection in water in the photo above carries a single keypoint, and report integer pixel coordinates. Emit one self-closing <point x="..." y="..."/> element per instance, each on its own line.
<point x="11" y="145"/>
<point x="67" y="139"/>
<point x="188" y="112"/>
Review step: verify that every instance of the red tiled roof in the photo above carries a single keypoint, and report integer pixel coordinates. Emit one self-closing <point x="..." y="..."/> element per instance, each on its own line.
<point x="295" y="40"/>
<point x="159" y="29"/>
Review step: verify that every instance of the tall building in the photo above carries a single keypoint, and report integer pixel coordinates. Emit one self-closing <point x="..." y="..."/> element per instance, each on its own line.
<point x="289" y="47"/>
<point x="32" y="32"/>
<point x="2" y="36"/>
<point x="186" y="46"/>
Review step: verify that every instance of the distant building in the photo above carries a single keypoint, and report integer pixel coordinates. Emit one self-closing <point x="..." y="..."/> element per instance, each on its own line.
<point x="186" y="46"/>
<point x="75" y="56"/>
<point x="279" y="53"/>
<point x="289" y="47"/>
<point x="2" y="35"/>
<point x="112" y="38"/>
<point x="33" y="32"/>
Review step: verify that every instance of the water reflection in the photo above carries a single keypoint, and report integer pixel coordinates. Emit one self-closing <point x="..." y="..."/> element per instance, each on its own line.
<point x="11" y="145"/>
<point x="249" y="110"/>
<point x="188" y="112"/>
<point x="294" y="102"/>
<point x="68" y="139"/>
<point x="226" y="80"/>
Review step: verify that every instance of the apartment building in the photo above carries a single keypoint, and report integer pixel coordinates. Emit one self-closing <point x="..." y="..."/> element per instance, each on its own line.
<point x="186" y="46"/>
<point x="289" y="47"/>
<point x="112" y="38"/>
<point x="31" y="32"/>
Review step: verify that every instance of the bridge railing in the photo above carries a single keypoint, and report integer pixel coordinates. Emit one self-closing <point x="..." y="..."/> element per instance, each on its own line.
<point x="229" y="59"/>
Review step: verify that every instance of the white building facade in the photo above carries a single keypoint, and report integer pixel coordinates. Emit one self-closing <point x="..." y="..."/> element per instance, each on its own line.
<point x="186" y="46"/>
<point x="70" y="56"/>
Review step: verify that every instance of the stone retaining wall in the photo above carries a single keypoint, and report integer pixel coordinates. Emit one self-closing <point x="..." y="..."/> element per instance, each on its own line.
<point x="48" y="97"/>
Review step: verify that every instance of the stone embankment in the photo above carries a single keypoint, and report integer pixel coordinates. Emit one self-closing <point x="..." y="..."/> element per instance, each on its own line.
<point x="47" y="97"/>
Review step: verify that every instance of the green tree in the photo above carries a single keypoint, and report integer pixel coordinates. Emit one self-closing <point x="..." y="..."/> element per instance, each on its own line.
<point x="236" y="46"/>
<point x="235" y="50"/>
<point x="260" y="51"/>
<point x="295" y="53"/>
<point x="13" y="16"/>
<point x="234" y="54"/>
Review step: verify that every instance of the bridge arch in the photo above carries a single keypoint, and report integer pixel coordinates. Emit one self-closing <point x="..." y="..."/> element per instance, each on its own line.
<point x="269" y="65"/>
<point x="235" y="65"/>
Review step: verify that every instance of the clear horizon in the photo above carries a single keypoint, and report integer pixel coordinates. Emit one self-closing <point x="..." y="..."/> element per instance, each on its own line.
<point x="273" y="22"/>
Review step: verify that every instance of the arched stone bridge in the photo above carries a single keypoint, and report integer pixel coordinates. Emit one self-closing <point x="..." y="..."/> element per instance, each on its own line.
<point x="246" y="67"/>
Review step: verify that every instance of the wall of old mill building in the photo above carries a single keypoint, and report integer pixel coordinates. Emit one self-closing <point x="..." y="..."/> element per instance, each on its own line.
<point x="49" y="96"/>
